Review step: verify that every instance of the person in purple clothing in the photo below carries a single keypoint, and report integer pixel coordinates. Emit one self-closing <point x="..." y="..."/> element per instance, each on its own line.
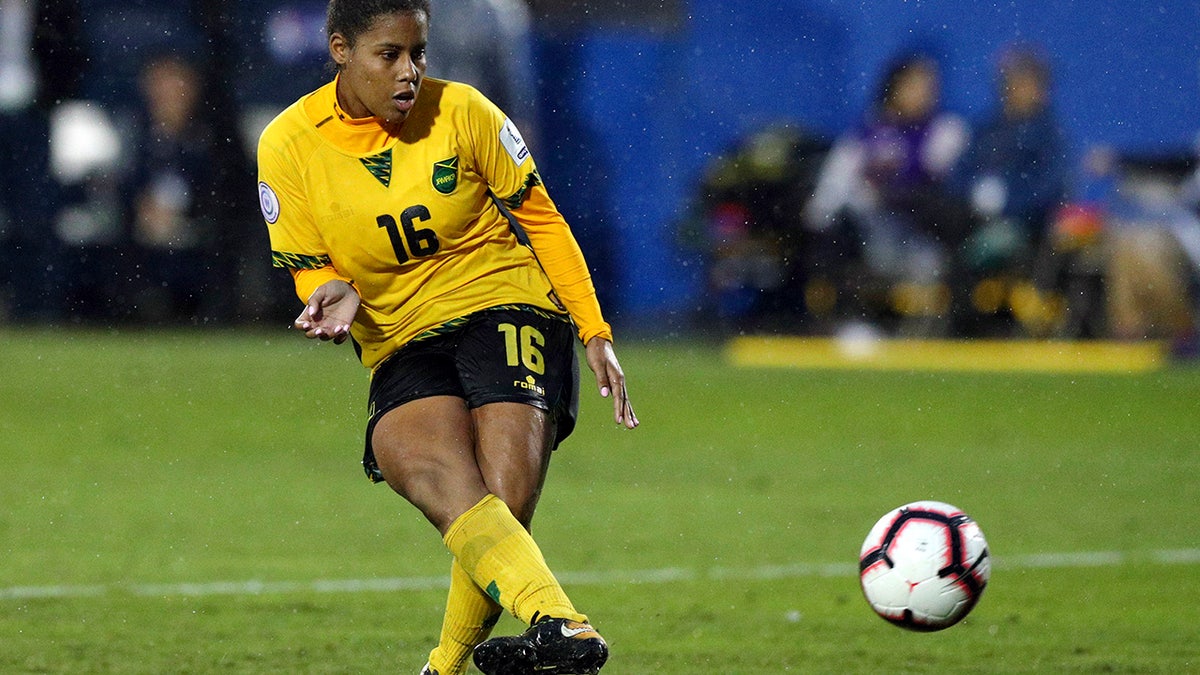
<point x="888" y="178"/>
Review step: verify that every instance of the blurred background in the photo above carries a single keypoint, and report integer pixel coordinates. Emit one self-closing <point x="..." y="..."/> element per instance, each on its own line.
<point x="932" y="168"/>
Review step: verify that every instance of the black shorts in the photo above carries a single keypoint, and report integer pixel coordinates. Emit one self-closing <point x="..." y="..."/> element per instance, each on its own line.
<point x="496" y="355"/>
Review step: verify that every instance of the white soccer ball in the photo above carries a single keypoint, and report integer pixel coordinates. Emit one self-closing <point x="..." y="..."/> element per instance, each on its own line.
<point x="924" y="565"/>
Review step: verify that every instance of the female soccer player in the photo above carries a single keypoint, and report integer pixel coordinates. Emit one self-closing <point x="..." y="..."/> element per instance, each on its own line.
<point x="387" y="196"/>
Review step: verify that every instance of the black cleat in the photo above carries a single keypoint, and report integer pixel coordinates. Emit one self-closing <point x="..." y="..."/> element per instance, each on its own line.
<point x="550" y="647"/>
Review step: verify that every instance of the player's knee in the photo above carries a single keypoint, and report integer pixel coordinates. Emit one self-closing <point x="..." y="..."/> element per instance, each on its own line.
<point x="441" y="488"/>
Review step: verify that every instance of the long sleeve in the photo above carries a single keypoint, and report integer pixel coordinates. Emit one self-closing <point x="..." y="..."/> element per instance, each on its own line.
<point x="563" y="261"/>
<point x="309" y="280"/>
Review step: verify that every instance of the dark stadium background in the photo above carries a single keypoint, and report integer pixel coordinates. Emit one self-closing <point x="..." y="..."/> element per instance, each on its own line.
<point x="635" y="97"/>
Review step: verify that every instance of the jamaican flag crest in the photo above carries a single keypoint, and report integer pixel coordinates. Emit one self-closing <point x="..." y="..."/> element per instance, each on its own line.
<point x="380" y="166"/>
<point x="445" y="175"/>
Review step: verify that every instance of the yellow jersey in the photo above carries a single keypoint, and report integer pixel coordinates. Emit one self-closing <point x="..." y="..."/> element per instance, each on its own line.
<point x="412" y="220"/>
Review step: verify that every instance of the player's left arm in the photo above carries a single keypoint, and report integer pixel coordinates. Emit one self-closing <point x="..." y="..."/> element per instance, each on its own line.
<point x="501" y="156"/>
<point x="564" y="264"/>
<point x="561" y="258"/>
<point x="610" y="379"/>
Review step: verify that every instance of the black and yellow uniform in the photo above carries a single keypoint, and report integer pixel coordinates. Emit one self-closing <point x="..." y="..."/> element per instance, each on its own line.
<point x="452" y="302"/>
<point x="411" y="220"/>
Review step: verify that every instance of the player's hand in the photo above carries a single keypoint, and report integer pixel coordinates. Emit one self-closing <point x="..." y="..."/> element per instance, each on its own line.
<point x="329" y="312"/>
<point x="610" y="380"/>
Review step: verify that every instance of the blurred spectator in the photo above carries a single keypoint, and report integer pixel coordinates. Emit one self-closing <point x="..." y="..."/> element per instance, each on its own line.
<point x="1147" y="273"/>
<point x="888" y="177"/>
<point x="170" y="193"/>
<point x="85" y="153"/>
<point x="1124" y="253"/>
<point x="1015" y="168"/>
<point x="41" y="64"/>
<point x="1014" y="175"/>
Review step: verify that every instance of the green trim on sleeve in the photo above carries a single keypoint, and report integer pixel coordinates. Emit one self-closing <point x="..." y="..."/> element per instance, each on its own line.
<point x="299" y="261"/>
<point x="532" y="180"/>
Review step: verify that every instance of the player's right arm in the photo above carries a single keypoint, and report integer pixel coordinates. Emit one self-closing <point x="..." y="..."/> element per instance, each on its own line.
<point x="331" y="301"/>
<point x="329" y="312"/>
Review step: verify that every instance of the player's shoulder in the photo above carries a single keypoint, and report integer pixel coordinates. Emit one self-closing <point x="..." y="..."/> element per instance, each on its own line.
<point x="282" y="127"/>
<point x="451" y="91"/>
<point x="291" y="129"/>
<point x="456" y="96"/>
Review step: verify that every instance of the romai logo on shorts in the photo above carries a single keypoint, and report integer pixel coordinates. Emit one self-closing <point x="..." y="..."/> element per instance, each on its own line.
<point x="445" y="175"/>
<point x="530" y="384"/>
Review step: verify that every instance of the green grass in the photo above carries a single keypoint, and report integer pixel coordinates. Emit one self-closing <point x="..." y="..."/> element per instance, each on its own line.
<point x="134" y="463"/>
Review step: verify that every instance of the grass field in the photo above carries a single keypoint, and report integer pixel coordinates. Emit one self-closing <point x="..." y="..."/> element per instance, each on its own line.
<point x="192" y="503"/>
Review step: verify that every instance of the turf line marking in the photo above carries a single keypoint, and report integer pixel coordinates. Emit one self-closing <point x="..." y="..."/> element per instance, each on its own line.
<point x="380" y="585"/>
<point x="1183" y="556"/>
<point x="1083" y="559"/>
<point x="23" y="592"/>
<point x="793" y="571"/>
<point x="252" y="587"/>
<point x="1061" y="560"/>
<point x="633" y="577"/>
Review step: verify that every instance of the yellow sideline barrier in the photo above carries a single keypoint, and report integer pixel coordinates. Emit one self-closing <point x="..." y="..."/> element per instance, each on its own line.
<point x="871" y="353"/>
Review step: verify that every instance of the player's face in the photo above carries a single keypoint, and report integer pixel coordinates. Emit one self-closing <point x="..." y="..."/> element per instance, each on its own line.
<point x="382" y="72"/>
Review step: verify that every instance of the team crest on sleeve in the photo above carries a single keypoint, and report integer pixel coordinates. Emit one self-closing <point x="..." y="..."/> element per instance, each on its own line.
<point x="268" y="202"/>
<point x="511" y="139"/>
<point x="445" y="175"/>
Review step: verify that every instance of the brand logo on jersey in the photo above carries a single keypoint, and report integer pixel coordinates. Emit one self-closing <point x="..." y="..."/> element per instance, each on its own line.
<point x="530" y="384"/>
<point x="445" y="175"/>
<point x="511" y="139"/>
<point x="268" y="202"/>
<point x="380" y="166"/>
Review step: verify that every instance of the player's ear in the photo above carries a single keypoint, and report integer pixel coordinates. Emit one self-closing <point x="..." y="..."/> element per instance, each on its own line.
<point x="339" y="49"/>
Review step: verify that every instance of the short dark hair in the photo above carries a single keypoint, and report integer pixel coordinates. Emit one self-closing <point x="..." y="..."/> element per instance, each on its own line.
<point x="352" y="18"/>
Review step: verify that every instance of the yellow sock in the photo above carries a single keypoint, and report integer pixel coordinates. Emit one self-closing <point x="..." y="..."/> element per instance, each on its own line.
<point x="506" y="563"/>
<point x="470" y="615"/>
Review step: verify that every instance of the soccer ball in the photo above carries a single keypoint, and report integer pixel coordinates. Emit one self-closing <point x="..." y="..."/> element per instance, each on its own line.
<point x="924" y="565"/>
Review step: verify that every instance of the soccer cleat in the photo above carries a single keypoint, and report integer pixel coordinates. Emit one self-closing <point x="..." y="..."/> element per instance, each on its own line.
<point x="550" y="647"/>
<point x="428" y="670"/>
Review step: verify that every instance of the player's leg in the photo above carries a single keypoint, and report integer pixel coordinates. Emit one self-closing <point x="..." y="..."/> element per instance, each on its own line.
<point x="520" y="375"/>
<point x="514" y="366"/>
<point x="424" y="449"/>
<point x="425" y="371"/>
<point x="468" y="620"/>
<point x="513" y="454"/>
<point x="514" y="445"/>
